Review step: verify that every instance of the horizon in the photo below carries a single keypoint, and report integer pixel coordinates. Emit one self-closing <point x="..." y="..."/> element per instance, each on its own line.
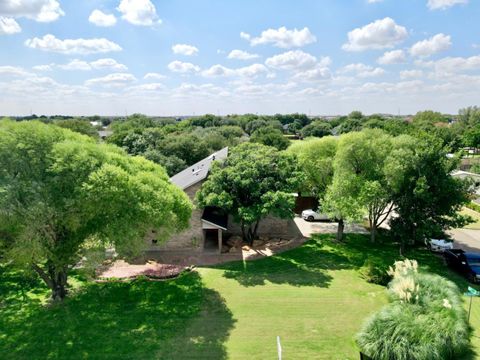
<point x="196" y="57"/>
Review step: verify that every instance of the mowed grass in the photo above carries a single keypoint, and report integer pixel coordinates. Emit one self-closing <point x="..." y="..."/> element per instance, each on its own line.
<point x="312" y="297"/>
<point x="475" y="216"/>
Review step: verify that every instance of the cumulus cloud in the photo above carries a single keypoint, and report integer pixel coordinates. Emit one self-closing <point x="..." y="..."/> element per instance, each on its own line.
<point x="13" y="71"/>
<point x="112" y="80"/>
<point x="361" y="70"/>
<point x="409" y="74"/>
<point x="9" y="26"/>
<point x="154" y="76"/>
<point x="183" y="67"/>
<point x="241" y="55"/>
<point x="76" y="65"/>
<point x="250" y="71"/>
<point x="282" y="37"/>
<point x="108" y="63"/>
<point x="43" y="67"/>
<point x="320" y="72"/>
<point x="452" y="65"/>
<point x="379" y="34"/>
<point x="138" y="12"/>
<point x="435" y="44"/>
<point x="444" y="4"/>
<point x="290" y="60"/>
<point x="100" y="18"/>
<point x="392" y="57"/>
<point x="38" y="10"/>
<point x="184" y="49"/>
<point x="72" y="46"/>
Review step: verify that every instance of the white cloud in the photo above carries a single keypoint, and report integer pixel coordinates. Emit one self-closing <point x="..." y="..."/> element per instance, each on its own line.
<point x="252" y="70"/>
<point x="218" y="71"/>
<point x="444" y="4"/>
<point x="409" y="74"/>
<point x="361" y="70"/>
<point x="13" y="71"/>
<point x="374" y="1"/>
<point x="38" y="10"/>
<point x="108" y="63"/>
<point x="435" y="44"/>
<point x="316" y="74"/>
<point x="241" y="55"/>
<point x="184" y="49"/>
<point x="282" y="37"/>
<point x="154" y="76"/>
<point x="392" y="57"/>
<point x="43" y="67"/>
<point x="112" y="80"/>
<point x="76" y="65"/>
<point x="379" y="34"/>
<point x="183" y="67"/>
<point x="100" y="18"/>
<point x="72" y="46"/>
<point x="147" y="87"/>
<point x="9" y="26"/>
<point x="452" y="65"/>
<point x="138" y="12"/>
<point x="290" y="60"/>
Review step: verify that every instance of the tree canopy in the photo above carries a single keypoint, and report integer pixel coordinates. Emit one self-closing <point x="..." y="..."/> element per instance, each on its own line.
<point x="253" y="182"/>
<point x="63" y="192"/>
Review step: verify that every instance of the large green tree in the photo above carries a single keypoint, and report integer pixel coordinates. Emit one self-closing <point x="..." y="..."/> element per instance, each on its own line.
<point x="427" y="198"/>
<point x="62" y="192"/>
<point x="360" y="177"/>
<point x="255" y="181"/>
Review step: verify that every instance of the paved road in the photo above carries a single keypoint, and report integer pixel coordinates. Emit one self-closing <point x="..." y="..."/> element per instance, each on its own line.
<point x="308" y="228"/>
<point x="466" y="239"/>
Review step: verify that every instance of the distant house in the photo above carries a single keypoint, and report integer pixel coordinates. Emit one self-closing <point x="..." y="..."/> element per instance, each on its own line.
<point x="474" y="178"/>
<point x="210" y="227"/>
<point x="207" y="226"/>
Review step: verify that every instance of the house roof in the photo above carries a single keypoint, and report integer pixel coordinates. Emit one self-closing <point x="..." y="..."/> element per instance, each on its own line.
<point x="199" y="171"/>
<point x="215" y="216"/>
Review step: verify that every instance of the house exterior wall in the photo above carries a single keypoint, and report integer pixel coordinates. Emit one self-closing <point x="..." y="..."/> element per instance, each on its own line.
<point x="271" y="227"/>
<point x="188" y="239"/>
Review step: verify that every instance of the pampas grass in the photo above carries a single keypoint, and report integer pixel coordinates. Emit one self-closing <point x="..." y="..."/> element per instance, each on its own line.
<point x="425" y="320"/>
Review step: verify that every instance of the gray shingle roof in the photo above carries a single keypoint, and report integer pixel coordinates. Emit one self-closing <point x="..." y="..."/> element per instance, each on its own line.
<point x="199" y="171"/>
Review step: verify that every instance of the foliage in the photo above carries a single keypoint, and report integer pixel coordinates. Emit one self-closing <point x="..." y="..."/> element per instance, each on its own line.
<point x="425" y="320"/>
<point x="375" y="273"/>
<point x="426" y="197"/>
<point x="317" y="129"/>
<point x="271" y="137"/>
<point x="425" y="118"/>
<point x="62" y="189"/>
<point x="473" y="206"/>
<point x="255" y="181"/>
<point x="79" y="126"/>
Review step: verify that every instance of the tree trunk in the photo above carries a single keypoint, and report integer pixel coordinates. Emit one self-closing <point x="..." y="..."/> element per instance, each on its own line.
<point x="249" y="232"/>
<point x="55" y="279"/>
<point x="373" y="232"/>
<point x="340" y="228"/>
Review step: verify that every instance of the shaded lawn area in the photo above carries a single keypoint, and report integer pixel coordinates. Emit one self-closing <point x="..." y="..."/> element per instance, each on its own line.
<point x="312" y="297"/>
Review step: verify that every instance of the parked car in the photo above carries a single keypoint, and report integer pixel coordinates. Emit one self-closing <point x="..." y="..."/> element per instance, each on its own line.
<point x="439" y="245"/>
<point x="466" y="263"/>
<point x="311" y="215"/>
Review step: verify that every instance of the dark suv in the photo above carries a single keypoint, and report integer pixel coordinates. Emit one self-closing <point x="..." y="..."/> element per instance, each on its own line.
<point x="466" y="263"/>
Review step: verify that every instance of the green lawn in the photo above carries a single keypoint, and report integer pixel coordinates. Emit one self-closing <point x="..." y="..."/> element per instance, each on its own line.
<point x="475" y="216"/>
<point x="312" y="297"/>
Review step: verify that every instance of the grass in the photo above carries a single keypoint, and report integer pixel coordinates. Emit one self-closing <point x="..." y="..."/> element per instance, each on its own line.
<point x="312" y="297"/>
<point x="475" y="216"/>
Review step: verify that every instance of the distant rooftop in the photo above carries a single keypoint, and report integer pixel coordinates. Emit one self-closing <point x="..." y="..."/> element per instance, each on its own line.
<point x="199" y="171"/>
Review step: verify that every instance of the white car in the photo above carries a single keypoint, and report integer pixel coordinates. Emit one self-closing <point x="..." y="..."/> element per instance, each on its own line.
<point x="439" y="245"/>
<point x="311" y="215"/>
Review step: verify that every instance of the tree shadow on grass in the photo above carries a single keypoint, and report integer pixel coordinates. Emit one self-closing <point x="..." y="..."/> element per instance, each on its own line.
<point x="306" y="265"/>
<point x="137" y="320"/>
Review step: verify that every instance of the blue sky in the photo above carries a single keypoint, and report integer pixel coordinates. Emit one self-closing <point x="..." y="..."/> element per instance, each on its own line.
<point x="266" y="56"/>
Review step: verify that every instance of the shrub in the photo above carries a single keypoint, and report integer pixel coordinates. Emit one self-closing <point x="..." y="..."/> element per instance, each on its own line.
<point x="425" y="319"/>
<point x="375" y="273"/>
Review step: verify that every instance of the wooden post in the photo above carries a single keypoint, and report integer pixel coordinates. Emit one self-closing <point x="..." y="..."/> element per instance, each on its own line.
<point x="219" y="241"/>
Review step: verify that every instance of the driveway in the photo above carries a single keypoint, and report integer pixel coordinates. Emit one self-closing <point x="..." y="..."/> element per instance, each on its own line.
<point x="466" y="239"/>
<point x="308" y="228"/>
